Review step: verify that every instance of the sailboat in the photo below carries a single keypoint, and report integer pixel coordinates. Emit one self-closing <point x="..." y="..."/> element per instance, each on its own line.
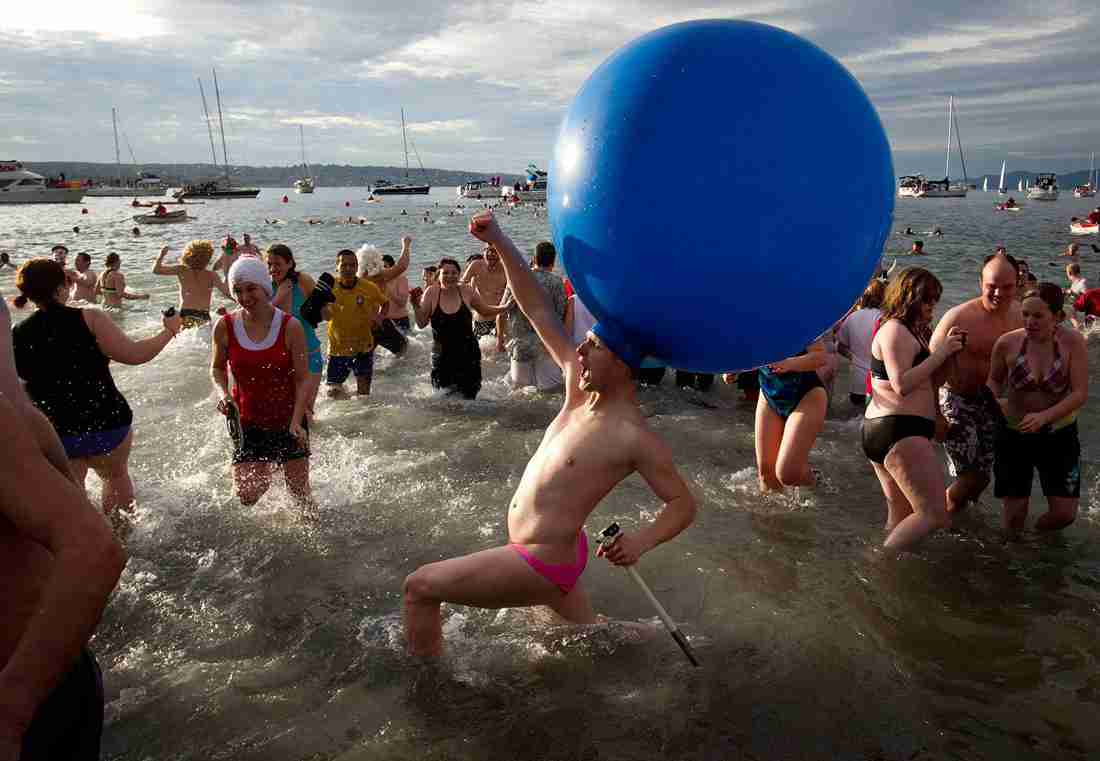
<point x="943" y="188"/>
<point x="216" y="187"/>
<point x="1088" y="190"/>
<point x="119" y="189"/>
<point x="985" y="184"/>
<point x="303" y="184"/>
<point x="1001" y="187"/>
<point x="387" y="188"/>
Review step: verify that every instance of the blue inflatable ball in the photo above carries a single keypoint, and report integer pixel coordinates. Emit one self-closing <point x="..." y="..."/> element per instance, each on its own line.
<point x="720" y="193"/>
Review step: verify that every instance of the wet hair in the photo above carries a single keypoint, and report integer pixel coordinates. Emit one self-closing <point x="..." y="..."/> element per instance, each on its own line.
<point x="197" y="254"/>
<point x="431" y="268"/>
<point x="474" y="257"/>
<point x="84" y="255"/>
<point x="112" y="261"/>
<point x="346" y="252"/>
<point x="1022" y="264"/>
<point x="388" y="260"/>
<point x="1050" y="294"/>
<point x="63" y="249"/>
<point x="136" y="231"/>
<point x="918" y="244"/>
<point x="1073" y="269"/>
<point x="907" y="294"/>
<point x="872" y="295"/>
<point x="4" y="257"/>
<point x="38" y="281"/>
<point x="447" y="260"/>
<point x="545" y="254"/>
<point x="283" y="251"/>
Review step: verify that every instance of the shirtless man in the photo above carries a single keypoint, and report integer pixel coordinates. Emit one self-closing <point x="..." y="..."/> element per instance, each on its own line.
<point x="246" y="248"/>
<point x="598" y="439"/>
<point x="487" y="277"/>
<point x="59" y="563"/>
<point x="83" y="285"/>
<point x="197" y="283"/>
<point x="60" y="255"/>
<point x="968" y="408"/>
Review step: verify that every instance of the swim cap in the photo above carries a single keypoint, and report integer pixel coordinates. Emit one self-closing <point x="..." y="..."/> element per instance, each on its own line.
<point x="250" y="269"/>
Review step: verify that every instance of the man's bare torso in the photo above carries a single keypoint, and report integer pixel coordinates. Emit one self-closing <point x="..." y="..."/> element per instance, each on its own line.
<point x="84" y="286"/>
<point x="489" y="283"/>
<point x="968" y="369"/>
<point x="582" y="456"/>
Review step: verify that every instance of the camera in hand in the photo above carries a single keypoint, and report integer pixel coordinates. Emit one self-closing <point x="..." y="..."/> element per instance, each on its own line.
<point x="322" y="294"/>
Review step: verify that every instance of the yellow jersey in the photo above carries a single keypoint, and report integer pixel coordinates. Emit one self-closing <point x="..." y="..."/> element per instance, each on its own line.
<point x="350" y="329"/>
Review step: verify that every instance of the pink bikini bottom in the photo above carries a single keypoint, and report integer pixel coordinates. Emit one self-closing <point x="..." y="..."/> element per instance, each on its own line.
<point x="564" y="577"/>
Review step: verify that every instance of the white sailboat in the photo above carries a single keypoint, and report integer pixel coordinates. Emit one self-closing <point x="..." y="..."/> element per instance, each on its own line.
<point x="985" y="184"/>
<point x="1088" y="190"/>
<point x="943" y="188"/>
<point x="1020" y="186"/>
<point x="1001" y="187"/>
<point x="120" y="188"/>
<point x="304" y="184"/>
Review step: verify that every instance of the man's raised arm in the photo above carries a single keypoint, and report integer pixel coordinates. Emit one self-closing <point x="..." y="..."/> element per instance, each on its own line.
<point x="526" y="290"/>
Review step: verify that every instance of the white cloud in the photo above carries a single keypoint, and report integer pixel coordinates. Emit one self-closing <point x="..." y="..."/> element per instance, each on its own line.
<point x="107" y="19"/>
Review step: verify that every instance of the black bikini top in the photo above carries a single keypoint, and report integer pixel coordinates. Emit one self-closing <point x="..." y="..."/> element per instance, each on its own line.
<point x="878" y="367"/>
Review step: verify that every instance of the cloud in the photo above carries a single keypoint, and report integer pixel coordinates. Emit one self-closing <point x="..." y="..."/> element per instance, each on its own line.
<point x="484" y="83"/>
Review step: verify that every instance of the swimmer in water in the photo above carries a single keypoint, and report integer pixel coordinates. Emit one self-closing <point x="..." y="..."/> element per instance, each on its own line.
<point x="5" y="261"/>
<point x="598" y="439"/>
<point x="112" y="284"/>
<point x="136" y="232"/>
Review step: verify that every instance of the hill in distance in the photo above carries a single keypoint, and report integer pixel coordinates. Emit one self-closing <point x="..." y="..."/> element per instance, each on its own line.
<point x="327" y="175"/>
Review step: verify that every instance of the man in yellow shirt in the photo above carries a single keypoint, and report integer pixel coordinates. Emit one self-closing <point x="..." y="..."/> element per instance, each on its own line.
<point x="351" y="319"/>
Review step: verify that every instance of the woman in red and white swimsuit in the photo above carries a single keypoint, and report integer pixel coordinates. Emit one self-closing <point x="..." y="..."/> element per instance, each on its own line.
<point x="266" y="350"/>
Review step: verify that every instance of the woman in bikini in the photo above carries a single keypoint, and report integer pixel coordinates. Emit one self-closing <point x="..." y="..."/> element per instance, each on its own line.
<point x="449" y="307"/>
<point x="1042" y="370"/>
<point x="900" y="422"/>
<point x="112" y="284"/>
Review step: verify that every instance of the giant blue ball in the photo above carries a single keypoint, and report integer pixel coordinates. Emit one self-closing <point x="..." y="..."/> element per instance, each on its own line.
<point x="720" y="193"/>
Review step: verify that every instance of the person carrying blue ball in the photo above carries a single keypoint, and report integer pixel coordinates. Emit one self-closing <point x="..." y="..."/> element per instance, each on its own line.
<point x="599" y="438"/>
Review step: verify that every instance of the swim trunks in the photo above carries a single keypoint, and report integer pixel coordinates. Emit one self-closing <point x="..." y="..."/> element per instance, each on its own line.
<point x="563" y="576"/>
<point x="339" y="368"/>
<point x="1056" y="454"/>
<point x="485" y="328"/>
<point x="193" y="318"/>
<point x="972" y="430"/>
<point x="94" y="444"/>
<point x="69" y="723"/>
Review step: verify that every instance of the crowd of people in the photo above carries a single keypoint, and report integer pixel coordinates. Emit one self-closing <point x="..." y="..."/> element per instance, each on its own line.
<point x="998" y="382"/>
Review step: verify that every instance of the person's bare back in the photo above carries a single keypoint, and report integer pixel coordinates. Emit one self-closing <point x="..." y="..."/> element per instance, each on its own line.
<point x="197" y="288"/>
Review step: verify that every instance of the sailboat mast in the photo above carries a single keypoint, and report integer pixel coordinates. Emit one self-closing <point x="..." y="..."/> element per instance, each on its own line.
<point x="221" y="124"/>
<point x="405" y="142"/>
<point x="947" y="169"/>
<point x="209" y="129"/>
<point x="118" y="156"/>
<point x="958" y="141"/>
<point x="302" y="139"/>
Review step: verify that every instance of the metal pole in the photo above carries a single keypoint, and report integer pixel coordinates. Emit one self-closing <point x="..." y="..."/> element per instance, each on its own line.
<point x="118" y="157"/>
<point x="947" y="169"/>
<point x="958" y="142"/>
<point x="221" y="124"/>
<point x="405" y="143"/>
<point x="209" y="129"/>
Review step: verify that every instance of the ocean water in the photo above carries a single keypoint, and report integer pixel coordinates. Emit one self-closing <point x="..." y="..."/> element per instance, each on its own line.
<point x="249" y="633"/>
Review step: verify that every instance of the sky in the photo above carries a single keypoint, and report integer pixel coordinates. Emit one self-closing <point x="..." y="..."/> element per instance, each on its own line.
<point x="485" y="84"/>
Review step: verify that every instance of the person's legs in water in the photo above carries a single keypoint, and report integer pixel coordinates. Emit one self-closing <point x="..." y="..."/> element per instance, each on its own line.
<point x="897" y="504"/>
<point x="768" y="439"/>
<point x="496" y="578"/>
<point x="364" y="372"/>
<point x="913" y="466"/>
<point x="251" y="480"/>
<point x="792" y="466"/>
<point x="114" y="470"/>
<point x="296" y="473"/>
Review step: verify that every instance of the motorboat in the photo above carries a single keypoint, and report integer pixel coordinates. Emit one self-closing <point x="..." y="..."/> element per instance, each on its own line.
<point x="942" y="189"/>
<point x="909" y="185"/>
<point x="1088" y="226"/>
<point x="304" y="185"/>
<point x="479" y="189"/>
<point x="1088" y="190"/>
<point x="534" y="189"/>
<point x="1044" y="189"/>
<point x="180" y="215"/>
<point x="20" y="185"/>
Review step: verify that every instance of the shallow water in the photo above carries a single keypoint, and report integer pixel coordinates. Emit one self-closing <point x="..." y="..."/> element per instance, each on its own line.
<point x="251" y="633"/>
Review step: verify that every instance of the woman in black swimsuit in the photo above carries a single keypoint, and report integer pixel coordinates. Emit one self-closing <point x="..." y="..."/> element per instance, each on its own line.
<point x="456" y="357"/>
<point x="901" y="419"/>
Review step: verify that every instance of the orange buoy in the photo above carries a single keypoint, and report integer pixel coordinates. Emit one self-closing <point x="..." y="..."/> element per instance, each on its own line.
<point x="285" y="199"/>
